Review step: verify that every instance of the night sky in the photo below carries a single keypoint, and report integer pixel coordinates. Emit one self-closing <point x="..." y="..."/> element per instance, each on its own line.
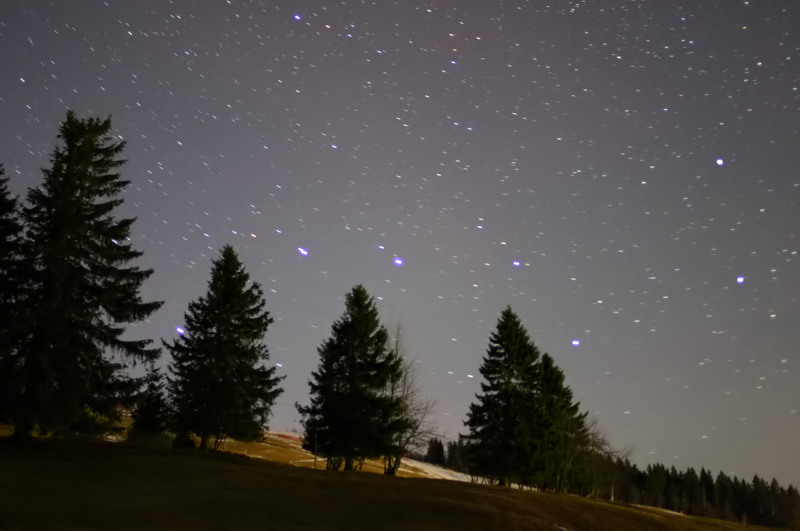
<point x="625" y="174"/>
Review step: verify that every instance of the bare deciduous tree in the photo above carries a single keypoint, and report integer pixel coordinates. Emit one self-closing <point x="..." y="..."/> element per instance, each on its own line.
<point x="412" y="420"/>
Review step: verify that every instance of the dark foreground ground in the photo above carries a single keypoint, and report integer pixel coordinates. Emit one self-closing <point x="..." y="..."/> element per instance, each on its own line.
<point x="110" y="486"/>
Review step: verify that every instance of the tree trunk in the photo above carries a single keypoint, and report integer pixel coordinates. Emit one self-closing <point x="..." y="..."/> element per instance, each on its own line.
<point x="392" y="465"/>
<point x="333" y="463"/>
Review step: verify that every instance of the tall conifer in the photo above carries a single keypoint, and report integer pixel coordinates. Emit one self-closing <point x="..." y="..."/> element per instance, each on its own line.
<point x="10" y="262"/>
<point x="562" y="430"/>
<point x="220" y="384"/>
<point x="346" y="420"/>
<point x="80" y="289"/>
<point x="524" y="425"/>
<point x="151" y="412"/>
<point x="10" y="247"/>
<point x="503" y="422"/>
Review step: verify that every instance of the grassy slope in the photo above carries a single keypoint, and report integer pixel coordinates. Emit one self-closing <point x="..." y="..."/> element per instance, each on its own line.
<point x="71" y="485"/>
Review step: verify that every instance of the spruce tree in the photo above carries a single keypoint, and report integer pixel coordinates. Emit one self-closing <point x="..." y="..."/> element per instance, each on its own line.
<point x="505" y="421"/>
<point x="707" y="492"/>
<point x="347" y="418"/>
<point x="562" y="430"/>
<point x="458" y="456"/>
<point x="524" y="425"/>
<point x="10" y="249"/>
<point x="10" y="262"/>
<point x="80" y="288"/>
<point x="151" y="412"/>
<point x="435" y="453"/>
<point x="220" y="384"/>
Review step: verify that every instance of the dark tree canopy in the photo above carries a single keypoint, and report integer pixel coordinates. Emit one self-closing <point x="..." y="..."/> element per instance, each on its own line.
<point x="80" y="289"/>
<point x="457" y="457"/>
<point x="10" y="289"/>
<point x="350" y="415"/>
<point x="435" y="453"/>
<point x="504" y="421"/>
<point x="10" y="246"/>
<point x="722" y="496"/>
<point x="220" y="384"/>
<point x="524" y="411"/>
<point x="151" y="412"/>
<point x="562" y="432"/>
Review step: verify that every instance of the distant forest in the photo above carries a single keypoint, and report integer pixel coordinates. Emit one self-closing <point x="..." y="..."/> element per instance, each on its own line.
<point x="67" y="276"/>
<point x="615" y="479"/>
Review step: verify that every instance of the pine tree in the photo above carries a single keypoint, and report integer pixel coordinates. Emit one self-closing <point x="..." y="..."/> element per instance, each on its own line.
<point x="707" y="493"/>
<point x="10" y="262"/>
<point x="723" y="497"/>
<point x="151" y="413"/>
<point x="220" y="385"/>
<point x="525" y="425"/>
<point x="435" y="453"/>
<point x="504" y="423"/>
<point x="563" y="430"/>
<point x="692" y="495"/>
<point x="347" y="419"/>
<point x="458" y="455"/>
<point x="10" y="248"/>
<point x="80" y="289"/>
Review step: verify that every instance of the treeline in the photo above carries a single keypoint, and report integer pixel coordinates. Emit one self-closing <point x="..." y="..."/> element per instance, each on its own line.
<point x="617" y="480"/>
<point x="69" y="289"/>
<point x="755" y="502"/>
<point x="525" y="429"/>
